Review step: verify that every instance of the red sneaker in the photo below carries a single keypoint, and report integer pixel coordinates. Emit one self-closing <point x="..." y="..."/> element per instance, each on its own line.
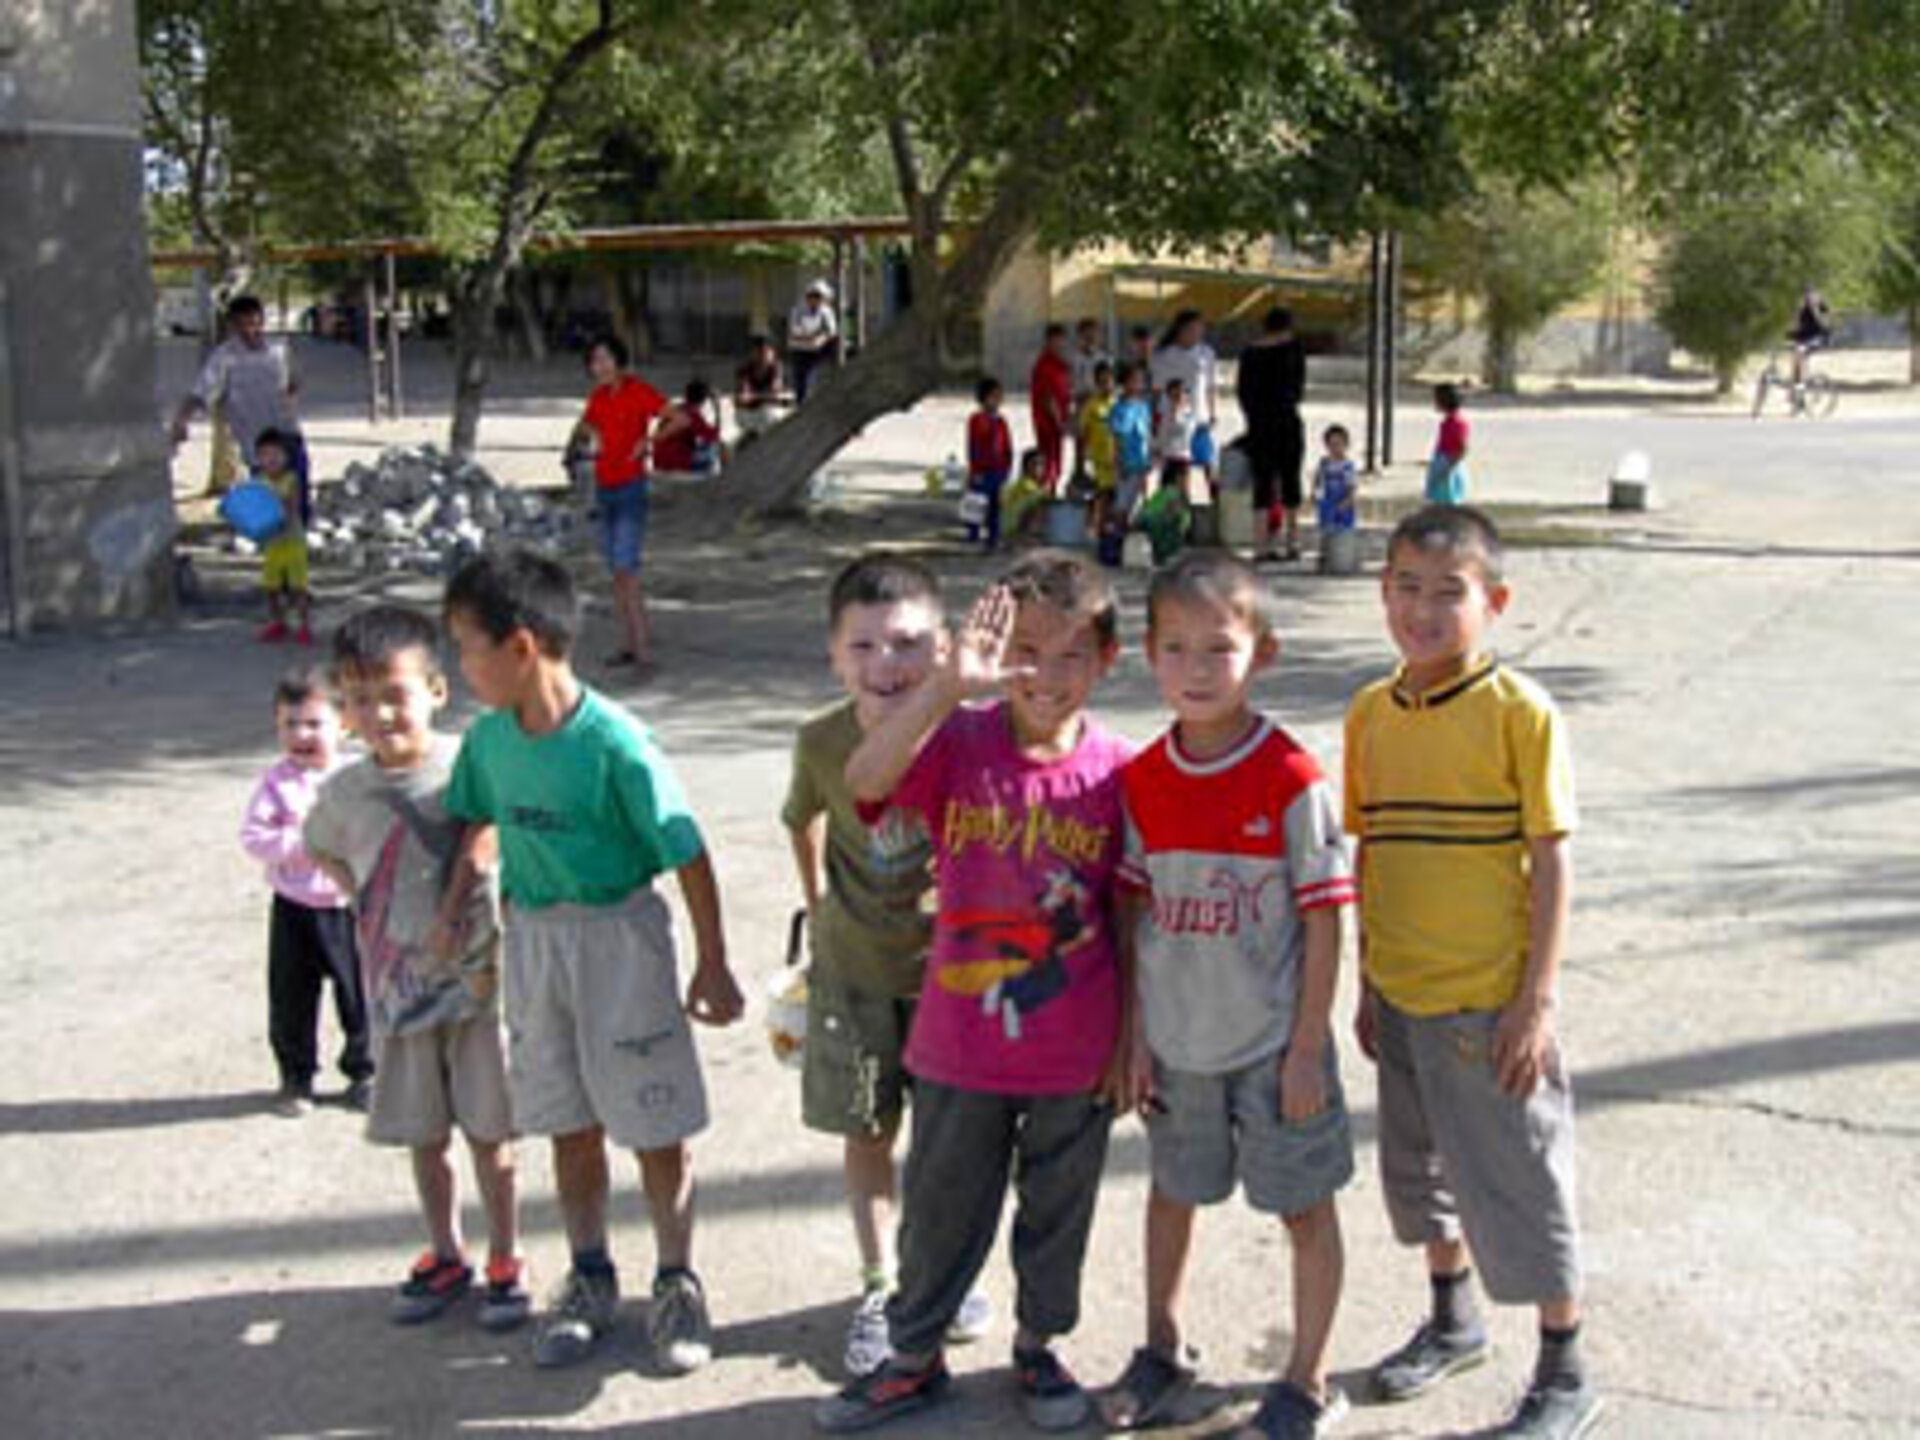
<point x="275" y="632"/>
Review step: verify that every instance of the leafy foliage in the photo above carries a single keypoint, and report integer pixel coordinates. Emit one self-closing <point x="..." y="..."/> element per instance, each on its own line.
<point x="1521" y="254"/>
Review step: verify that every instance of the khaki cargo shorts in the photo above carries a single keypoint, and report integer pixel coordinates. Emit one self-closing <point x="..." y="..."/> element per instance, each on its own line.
<point x="596" y="1031"/>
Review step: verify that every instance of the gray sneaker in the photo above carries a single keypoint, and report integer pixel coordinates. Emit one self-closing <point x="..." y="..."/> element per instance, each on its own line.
<point x="868" y="1345"/>
<point x="677" y="1325"/>
<point x="1427" y="1359"/>
<point x="1290" y="1413"/>
<point x="580" y="1312"/>
<point x="1554" y="1412"/>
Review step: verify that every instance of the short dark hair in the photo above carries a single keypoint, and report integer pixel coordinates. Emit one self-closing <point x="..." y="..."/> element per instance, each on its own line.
<point x="1212" y="577"/>
<point x="1031" y="456"/>
<point x="1447" y="396"/>
<point x="301" y="684"/>
<point x="1140" y="332"/>
<point x="1174" y="382"/>
<point x="1072" y="584"/>
<point x="1333" y="430"/>
<point x="1277" y="321"/>
<point x="881" y="577"/>
<point x="1128" y="369"/>
<point x="376" y="637"/>
<point x="758" y="342"/>
<point x="279" y="439"/>
<point x="1452" y="530"/>
<point x="520" y="590"/>
<point x="244" y="305"/>
<point x="1055" y="330"/>
<point x="983" y="387"/>
<point x="1102" y="367"/>
<point x="1086" y="322"/>
<point x="612" y="344"/>
<point x="698" y="392"/>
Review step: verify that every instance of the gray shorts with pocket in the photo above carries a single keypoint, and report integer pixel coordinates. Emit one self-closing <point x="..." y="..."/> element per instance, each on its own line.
<point x="428" y="1082"/>
<point x="596" y="1032"/>
<point x="1459" y="1156"/>
<point x="1217" y="1129"/>
<point x="852" y="1081"/>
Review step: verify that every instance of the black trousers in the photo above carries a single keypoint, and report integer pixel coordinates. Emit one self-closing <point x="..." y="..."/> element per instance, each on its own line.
<point x="967" y="1145"/>
<point x="305" y="949"/>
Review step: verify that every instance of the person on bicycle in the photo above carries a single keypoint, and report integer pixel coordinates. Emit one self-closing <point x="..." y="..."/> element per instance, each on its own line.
<point x="1812" y="330"/>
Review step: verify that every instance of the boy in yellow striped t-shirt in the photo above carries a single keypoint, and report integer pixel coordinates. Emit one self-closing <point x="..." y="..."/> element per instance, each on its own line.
<point x="1459" y="787"/>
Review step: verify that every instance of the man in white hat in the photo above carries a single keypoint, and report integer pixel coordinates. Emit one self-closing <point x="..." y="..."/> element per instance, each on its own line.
<point x="813" y="335"/>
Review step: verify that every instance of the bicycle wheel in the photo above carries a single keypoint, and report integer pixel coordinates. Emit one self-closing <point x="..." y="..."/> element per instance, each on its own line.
<point x="1822" y="397"/>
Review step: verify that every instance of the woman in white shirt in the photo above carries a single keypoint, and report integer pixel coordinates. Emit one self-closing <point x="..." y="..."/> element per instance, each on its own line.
<point x="813" y="335"/>
<point x="1184" y="355"/>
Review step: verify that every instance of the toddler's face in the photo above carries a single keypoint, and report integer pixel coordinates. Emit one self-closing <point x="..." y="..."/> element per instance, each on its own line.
<point x="1204" y="658"/>
<point x="1065" y="660"/>
<point x="272" y="460"/>
<point x="601" y="365"/>
<point x="309" y="732"/>
<point x="883" y="653"/>
<point x="1336" y="447"/>
<point x="1439" y="606"/>
<point x="391" y="707"/>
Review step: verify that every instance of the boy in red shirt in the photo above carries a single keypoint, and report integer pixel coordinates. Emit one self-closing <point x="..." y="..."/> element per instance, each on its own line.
<point x="620" y="413"/>
<point x="989" y="456"/>
<point x="1050" y="389"/>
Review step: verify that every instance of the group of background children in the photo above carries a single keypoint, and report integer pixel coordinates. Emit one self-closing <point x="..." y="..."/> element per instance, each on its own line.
<point x="1021" y="928"/>
<point x="1136" y="434"/>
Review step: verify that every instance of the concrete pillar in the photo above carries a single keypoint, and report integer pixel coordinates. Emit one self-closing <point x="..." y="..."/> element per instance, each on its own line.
<point x="83" y="460"/>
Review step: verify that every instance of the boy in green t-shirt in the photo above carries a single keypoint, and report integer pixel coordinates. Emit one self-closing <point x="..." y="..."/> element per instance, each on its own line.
<point x="868" y="891"/>
<point x="588" y="814"/>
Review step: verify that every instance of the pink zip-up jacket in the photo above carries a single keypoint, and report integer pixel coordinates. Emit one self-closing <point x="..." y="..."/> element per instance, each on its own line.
<point x="271" y="835"/>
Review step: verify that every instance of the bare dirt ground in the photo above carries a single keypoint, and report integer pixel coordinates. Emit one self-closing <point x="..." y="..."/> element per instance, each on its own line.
<point x="1742" y="1007"/>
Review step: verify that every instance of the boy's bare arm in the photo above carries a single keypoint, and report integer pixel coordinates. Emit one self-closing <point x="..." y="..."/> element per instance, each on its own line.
<point x="1128" y="1083"/>
<point x="1303" y="1075"/>
<point x="712" y="996"/>
<point x="477" y="857"/>
<point x="1363" y="1009"/>
<point x="975" y="665"/>
<point x="1524" y="1037"/>
<point x="809" y="843"/>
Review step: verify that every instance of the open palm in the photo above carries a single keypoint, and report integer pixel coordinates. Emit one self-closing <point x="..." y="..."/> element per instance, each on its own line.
<point x="979" y="656"/>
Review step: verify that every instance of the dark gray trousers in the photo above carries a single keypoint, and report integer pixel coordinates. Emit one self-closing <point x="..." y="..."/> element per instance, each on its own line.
<point x="966" y="1146"/>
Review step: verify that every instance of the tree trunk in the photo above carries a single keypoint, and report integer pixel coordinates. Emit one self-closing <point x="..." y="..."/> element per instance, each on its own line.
<point x="525" y="293"/>
<point x="1500" y="362"/>
<point x="770" y="476"/>
<point x="473" y="306"/>
<point x="1913" y="344"/>
<point x="899" y="368"/>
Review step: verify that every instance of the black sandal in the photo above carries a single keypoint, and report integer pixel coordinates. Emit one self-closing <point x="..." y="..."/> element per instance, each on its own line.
<point x="1147" y="1388"/>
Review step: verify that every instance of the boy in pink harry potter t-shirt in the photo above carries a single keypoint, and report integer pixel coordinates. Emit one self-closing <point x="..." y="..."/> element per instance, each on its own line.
<point x="1015" y="1038"/>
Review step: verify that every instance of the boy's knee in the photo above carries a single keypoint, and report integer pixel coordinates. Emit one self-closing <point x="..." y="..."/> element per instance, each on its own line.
<point x="665" y="1161"/>
<point x="1317" y="1224"/>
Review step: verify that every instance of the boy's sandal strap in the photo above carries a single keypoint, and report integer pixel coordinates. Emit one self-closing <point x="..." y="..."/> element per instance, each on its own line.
<point x="1146" y="1389"/>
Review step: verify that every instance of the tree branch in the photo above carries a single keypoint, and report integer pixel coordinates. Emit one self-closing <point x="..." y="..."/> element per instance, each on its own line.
<point x="516" y="218"/>
<point x="906" y="165"/>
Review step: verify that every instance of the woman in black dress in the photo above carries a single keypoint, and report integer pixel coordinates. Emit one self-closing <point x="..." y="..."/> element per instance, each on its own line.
<point x="1271" y="384"/>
